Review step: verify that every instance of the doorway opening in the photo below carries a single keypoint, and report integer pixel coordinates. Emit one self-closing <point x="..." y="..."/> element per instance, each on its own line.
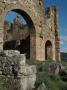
<point x="48" y="50"/>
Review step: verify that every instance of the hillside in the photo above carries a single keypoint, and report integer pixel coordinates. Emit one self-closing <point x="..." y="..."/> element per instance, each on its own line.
<point x="64" y="56"/>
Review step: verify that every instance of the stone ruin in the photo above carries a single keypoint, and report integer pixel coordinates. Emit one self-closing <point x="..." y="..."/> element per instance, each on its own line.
<point x="15" y="74"/>
<point x="43" y="38"/>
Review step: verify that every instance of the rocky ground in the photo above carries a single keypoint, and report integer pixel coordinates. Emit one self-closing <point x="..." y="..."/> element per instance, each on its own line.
<point x="17" y="73"/>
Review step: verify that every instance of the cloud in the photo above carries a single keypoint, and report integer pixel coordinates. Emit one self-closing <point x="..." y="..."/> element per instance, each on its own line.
<point x="64" y="38"/>
<point x="61" y="42"/>
<point x="63" y="50"/>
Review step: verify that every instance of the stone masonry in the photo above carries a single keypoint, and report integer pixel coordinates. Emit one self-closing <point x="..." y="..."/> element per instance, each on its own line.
<point x="43" y="33"/>
<point x="15" y="74"/>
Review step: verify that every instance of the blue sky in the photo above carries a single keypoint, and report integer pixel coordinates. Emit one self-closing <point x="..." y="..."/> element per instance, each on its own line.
<point x="11" y="16"/>
<point x="62" y="7"/>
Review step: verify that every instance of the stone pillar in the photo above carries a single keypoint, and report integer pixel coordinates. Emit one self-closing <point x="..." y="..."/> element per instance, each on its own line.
<point x="40" y="48"/>
<point x="1" y="28"/>
<point x="33" y="45"/>
<point x="1" y="38"/>
<point x="53" y="51"/>
<point x="57" y="48"/>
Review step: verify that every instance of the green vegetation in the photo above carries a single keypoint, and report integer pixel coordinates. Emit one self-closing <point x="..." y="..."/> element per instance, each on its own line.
<point x="64" y="63"/>
<point x="33" y="62"/>
<point x="63" y="56"/>
<point x="52" y="82"/>
<point x="36" y="62"/>
<point x="8" y="83"/>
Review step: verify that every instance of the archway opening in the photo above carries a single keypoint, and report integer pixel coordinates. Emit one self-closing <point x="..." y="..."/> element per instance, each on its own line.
<point x="17" y="30"/>
<point x="48" y="50"/>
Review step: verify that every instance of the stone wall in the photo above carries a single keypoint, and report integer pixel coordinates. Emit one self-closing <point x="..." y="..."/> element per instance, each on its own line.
<point x="44" y="28"/>
<point x="15" y="33"/>
<point x="15" y="74"/>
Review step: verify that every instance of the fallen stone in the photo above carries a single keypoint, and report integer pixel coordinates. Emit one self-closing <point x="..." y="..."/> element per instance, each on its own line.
<point x="42" y="87"/>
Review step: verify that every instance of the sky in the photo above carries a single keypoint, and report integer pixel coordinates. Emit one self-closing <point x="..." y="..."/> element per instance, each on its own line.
<point x="11" y="16"/>
<point x="62" y="9"/>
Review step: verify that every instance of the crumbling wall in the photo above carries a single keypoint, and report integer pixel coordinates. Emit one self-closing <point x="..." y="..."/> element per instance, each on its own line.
<point x="15" y="74"/>
<point x="44" y="29"/>
<point x="53" y="26"/>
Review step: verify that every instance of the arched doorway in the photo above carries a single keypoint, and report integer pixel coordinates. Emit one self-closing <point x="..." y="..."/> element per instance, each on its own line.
<point x="48" y="50"/>
<point x="17" y="36"/>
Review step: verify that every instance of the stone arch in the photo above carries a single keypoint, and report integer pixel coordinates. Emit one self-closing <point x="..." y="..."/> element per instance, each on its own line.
<point x="18" y="7"/>
<point x="48" y="50"/>
<point x="36" y="13"/>
<point x="26" y="17"/>
<point x="25" y="45"/>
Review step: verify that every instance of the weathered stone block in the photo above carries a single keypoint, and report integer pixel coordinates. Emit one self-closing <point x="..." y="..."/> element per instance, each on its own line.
<point x="14" y="69"/>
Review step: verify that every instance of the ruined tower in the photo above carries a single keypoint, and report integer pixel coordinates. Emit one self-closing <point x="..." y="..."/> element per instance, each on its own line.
<point x="42" y="39"/>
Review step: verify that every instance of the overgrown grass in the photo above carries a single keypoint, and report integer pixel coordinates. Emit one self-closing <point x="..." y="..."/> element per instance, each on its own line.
<point x="37" y="62"/>
<point x="33" y="62"/>
<point x="52" y="82"/>
<point x="8" y="84"/>
<point x="64" y="63"/>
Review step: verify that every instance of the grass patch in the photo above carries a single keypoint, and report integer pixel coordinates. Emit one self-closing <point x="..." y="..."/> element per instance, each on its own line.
<point x="64" y="63"/>
<point x="33" y="62"/>
<point x="8" y="84"/>
<point x="52" y="82"/>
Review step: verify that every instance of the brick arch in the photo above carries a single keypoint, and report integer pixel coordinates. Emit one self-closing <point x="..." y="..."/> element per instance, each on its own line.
<point x="48" y="50"/>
